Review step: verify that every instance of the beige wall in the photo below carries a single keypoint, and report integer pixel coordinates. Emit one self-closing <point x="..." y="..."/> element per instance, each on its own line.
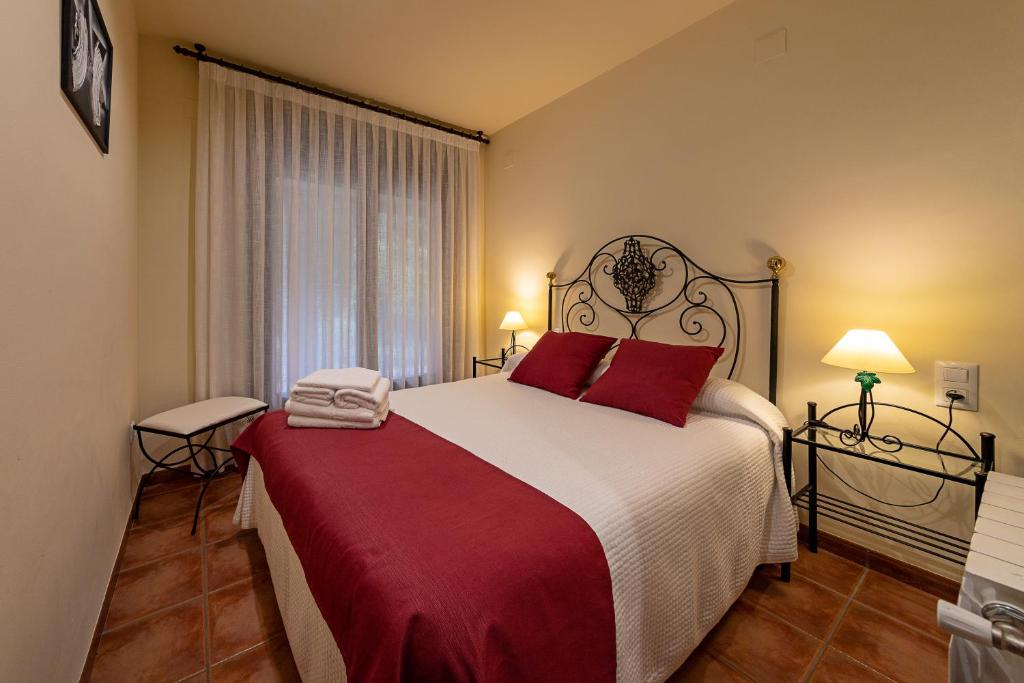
<point x="882" y="156"/>
<point x="68" y="358"/>
<point x="167" y="114"/>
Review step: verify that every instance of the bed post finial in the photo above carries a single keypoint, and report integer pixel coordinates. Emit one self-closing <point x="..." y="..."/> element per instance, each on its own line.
<point x="775" y="264"/>
<point x="551" y="293"/>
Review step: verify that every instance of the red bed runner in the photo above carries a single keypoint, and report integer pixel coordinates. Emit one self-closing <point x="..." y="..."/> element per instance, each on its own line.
<point x="430" y="564"/>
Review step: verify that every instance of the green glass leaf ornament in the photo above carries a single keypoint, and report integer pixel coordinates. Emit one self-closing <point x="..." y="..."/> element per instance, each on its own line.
<point x="867" y="380"/>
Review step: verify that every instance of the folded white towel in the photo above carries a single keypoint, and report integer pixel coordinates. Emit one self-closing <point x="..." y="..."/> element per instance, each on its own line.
<point x="371" y="400"/>
<point x="317" y="396"/>
<point x="341" y="414"/>
<point x="336" y="379"/>
<point x="311" y="401"/>
<point x="320" y="423"/>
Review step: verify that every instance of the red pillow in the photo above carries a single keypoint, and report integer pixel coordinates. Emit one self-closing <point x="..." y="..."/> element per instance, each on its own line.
<point x="561" y="362"/>
<point x="658" y="380"/>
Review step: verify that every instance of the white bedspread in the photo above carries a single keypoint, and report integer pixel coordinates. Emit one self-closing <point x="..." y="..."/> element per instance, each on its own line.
<point x="684" y="515"/>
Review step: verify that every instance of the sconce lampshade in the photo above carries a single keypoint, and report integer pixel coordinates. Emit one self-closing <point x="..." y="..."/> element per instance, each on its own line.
<point x="513" y="320"/>
<point x="868" y="350"/>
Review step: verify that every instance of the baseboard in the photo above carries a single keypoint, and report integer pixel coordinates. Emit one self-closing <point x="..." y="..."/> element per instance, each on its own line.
<point x="90" y="658"/>
<point x="927" y="581"/>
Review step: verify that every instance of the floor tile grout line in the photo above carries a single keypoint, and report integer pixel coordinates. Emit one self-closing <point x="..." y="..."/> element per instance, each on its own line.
<point x="156" y="560"/>
<point x="249" y="577"/>
<point x="177" y="517"/>
<point x="727" y="663"/>
<point x="771" y="615"/>
<point x="217" y="503"/>
<point x="778" y="618"/>
<point x="867" y="666"/>
<point x="249" y="650"/>
<point x="903" y="622"/>
<point x="149" y="494"/>
<point x="207" y="655"/>
<point x="147" y="615"/>
<point x="199" y="550"/>
<point x="181" y="516"/>
<point x="156" y="613"/>
<point x="163" y="558"/>
<point x="856" y="588"/>
<point x="870" y="569"/>
<point x="816" y="582"/>
<point x="819" y="584"/>
<point x="840" y="615"/>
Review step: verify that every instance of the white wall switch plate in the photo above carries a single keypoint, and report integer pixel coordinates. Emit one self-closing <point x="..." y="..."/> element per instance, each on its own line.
<point x="960" y="377"/>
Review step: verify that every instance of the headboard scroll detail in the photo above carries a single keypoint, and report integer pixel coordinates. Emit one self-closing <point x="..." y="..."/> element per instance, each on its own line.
<point x="653" y="276"/>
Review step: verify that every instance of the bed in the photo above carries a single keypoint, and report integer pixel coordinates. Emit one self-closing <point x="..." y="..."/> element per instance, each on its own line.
<point x="609" y="543"/>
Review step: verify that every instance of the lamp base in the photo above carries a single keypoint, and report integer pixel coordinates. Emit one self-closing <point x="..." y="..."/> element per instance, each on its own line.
<point x="861" y="432"/>
<point x="514" y="345"/>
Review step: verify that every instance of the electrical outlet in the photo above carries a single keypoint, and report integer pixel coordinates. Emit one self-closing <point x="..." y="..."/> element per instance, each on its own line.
<point x="959" y="377"/>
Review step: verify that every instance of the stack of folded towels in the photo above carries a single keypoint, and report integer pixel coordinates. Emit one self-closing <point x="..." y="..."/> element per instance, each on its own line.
<point x="353" y="398"/>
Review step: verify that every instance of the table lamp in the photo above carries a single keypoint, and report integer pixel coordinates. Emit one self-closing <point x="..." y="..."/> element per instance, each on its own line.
<point x="869" y="352"/>
<point x="513" y="321"/>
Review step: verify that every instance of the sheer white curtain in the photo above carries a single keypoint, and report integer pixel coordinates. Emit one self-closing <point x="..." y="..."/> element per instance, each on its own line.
<point x="327" y="236"/>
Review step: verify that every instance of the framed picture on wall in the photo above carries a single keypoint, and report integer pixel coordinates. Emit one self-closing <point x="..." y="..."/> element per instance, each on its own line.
<point x="87" y="66"/>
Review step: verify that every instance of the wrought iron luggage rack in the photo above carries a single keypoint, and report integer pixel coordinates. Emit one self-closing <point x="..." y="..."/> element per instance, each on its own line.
<point x="854" y="444"/>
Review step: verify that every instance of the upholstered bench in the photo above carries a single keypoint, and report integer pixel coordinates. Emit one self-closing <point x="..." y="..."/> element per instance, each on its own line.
<point x="186" y="423"/>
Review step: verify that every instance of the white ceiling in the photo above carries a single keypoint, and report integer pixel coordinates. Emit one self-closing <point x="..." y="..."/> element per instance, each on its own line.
<point x="481" y="64"/>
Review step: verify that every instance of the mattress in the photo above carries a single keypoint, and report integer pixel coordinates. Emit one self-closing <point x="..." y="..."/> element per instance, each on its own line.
<point x="683" y="515"/>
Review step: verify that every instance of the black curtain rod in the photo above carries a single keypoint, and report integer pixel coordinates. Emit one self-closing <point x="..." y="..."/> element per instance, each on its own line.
<point x="200" y="54"/>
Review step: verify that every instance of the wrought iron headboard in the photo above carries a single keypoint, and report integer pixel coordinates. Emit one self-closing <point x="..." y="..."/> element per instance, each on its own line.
<point x="637" y="265"/>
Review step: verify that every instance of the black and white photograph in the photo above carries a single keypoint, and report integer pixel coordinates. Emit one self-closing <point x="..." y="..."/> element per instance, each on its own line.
<point x="87" y="59"/>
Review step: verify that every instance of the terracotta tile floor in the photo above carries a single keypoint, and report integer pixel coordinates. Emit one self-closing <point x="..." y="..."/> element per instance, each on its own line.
<point x="196" y="608"/>
<point x="825" y="625"/>
<point x="202" y="608"/>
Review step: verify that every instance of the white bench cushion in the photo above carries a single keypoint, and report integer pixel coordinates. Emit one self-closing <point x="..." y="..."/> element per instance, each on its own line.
<point x="200" y="416"/>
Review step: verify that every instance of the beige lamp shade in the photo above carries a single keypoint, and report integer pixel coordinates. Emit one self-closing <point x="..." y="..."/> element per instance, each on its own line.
<point x="513" y="320"/>
<point x="870" y="350"/>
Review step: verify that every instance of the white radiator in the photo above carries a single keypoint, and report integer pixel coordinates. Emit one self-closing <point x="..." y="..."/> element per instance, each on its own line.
<point x="987" y="622"/>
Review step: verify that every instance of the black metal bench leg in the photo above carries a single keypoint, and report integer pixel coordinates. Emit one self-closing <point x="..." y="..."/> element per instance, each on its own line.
<point x="785" y="571"/>
<point x="138" y="494"/>
<point x="199" y="503"/>
<point x="157" y="464"/>
<point x="207" y="474"/>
